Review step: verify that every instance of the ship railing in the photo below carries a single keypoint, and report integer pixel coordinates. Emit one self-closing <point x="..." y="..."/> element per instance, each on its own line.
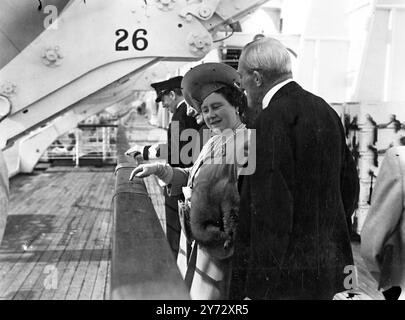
<point x="88" y="143"/>
<point x="142" y="264"/>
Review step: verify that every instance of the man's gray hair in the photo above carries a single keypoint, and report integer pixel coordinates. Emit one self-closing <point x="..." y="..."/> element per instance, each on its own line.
<point x="267" y="55"/>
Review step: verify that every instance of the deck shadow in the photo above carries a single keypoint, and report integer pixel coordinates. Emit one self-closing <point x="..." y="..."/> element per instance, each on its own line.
<point x="25" y="229"/>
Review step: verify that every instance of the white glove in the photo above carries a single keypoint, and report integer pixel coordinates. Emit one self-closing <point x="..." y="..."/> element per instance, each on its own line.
<point x="162" y="171"/>
<point x="144" y="170"/>
<point x="147" y="152"/>
<point x="135" y="151"/>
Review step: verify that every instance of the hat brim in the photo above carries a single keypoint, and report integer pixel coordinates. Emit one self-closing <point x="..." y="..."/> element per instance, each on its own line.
<point x="204" y="79"/>
<point x="161" y="94"/>
<point x="159" y="98"/>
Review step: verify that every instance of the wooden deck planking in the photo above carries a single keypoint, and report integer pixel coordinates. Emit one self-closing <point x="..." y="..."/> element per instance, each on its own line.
<point x="80" y="266"/>
<point x="22" y="266"/>
<point x="69" y="262"/>
<point x="60" y="239"/>
<point x="87" y="269"/>
<point x="75" y="265"/>
<point x="23" y="272"/>
<point x="98" y="242"/>
<point x="90" y="277"/>
<point x="107" y="291"/>
<point x="83" y="252"/>
<point x="77" y="255"/>
<point x="101" y="290"/>
<point x="11" y="242"/>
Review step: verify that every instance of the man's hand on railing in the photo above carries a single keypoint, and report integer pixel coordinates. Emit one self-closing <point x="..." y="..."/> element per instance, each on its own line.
<point x="134" y="151"/>
<point x="162" y="171"/>
<point x="147" y="152"/>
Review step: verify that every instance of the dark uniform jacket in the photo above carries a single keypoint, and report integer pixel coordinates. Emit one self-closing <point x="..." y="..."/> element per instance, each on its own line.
<point x="293" y="239"/>
<point x="185" y="122"/>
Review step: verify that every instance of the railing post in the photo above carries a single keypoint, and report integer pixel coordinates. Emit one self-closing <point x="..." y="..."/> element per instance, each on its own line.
<point x="104" y="143"/>
<point x="77" y="153"/>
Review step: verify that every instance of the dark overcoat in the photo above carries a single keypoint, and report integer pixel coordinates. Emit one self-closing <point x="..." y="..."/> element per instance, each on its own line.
<point x="174" y="146"/>
<point x="184" y="122"/>
<point x="293" y="239"/>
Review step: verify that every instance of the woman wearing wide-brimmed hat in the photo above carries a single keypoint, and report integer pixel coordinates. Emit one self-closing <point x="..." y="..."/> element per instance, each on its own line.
<point x="209" y="213"/>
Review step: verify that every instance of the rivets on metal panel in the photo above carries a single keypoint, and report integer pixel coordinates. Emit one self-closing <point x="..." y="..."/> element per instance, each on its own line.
<point x="200" y="43"/>
<point x="165" y="5"/>
<point x="8" y="89"/>
<point x="52" y="56"/>
<point x="205" y="12"/>
<point x="189" y="17"/>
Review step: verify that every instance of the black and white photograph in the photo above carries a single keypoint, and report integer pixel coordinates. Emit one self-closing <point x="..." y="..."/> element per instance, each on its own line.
<point x="225" y="151"/>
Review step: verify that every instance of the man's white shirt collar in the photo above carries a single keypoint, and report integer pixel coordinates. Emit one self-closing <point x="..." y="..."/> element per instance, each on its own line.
<point x="270" y="94"/>
<point x="178" y="105"/>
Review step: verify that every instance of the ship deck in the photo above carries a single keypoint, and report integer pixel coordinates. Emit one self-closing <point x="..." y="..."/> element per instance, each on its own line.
<point x="59" y="227"/>
<point x="57" y="243"/>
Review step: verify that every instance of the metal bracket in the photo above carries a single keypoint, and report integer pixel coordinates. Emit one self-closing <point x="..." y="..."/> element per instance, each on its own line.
<point x="203" y="10"/>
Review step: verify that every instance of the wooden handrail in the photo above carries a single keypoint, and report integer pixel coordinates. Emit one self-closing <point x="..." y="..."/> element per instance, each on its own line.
<point x="142" y="266"/>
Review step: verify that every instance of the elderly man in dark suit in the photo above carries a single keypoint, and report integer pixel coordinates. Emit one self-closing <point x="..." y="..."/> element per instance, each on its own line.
<point x="293" y="236"/>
